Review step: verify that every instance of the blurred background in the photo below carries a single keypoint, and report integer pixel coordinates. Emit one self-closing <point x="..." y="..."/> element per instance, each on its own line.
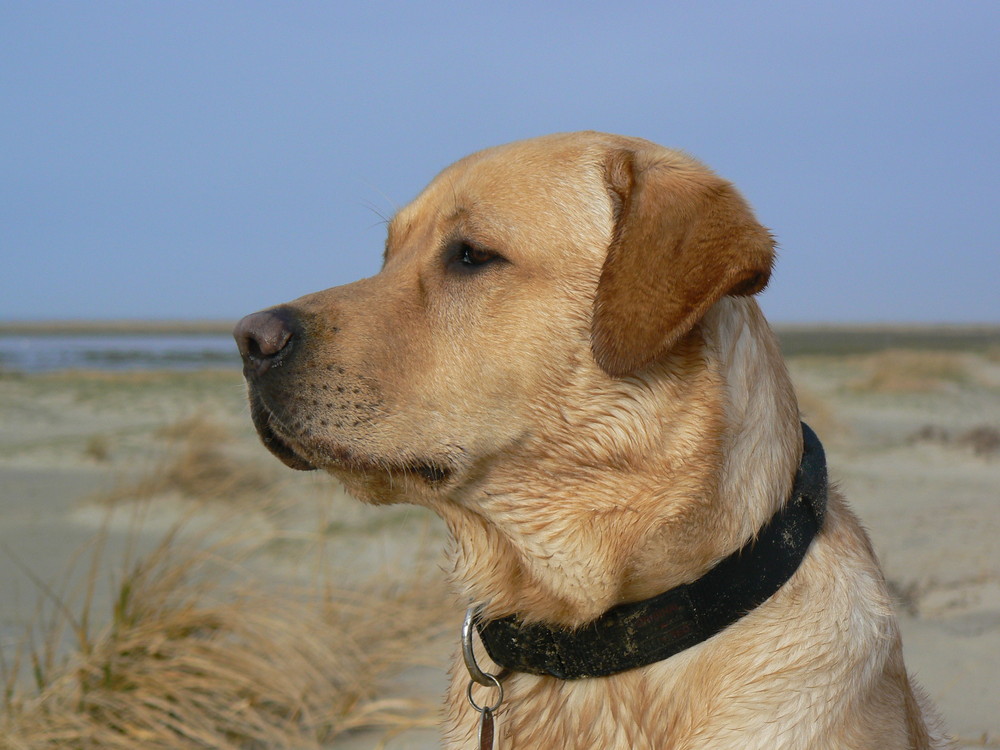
<point x="167" y="167"/>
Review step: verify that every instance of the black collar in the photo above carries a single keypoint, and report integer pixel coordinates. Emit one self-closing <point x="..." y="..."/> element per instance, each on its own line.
<point x="634" y="635"/>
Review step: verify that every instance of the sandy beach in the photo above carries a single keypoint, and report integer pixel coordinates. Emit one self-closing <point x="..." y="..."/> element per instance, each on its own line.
<point x="912" y="435"/>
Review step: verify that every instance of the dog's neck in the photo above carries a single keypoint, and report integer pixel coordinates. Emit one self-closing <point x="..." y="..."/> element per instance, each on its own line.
<point x="676" y="455"/>
<point x="763" y="438"/>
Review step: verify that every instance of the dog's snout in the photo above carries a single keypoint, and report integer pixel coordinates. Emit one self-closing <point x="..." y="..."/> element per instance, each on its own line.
<point x="264" y="340"/>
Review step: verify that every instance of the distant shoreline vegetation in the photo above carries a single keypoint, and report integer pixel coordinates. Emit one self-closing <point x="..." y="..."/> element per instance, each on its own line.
<point x="799" y="340"/>
<point x="117" y="327"/>
<point x="77" y="348"/>
<point x="116" y="345"/>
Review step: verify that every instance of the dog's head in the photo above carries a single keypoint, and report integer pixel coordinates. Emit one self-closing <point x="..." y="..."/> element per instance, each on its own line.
<point x="521" y="287"/>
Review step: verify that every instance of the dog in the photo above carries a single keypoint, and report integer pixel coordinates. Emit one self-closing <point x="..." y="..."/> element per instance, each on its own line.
<point x="562" y="357"/>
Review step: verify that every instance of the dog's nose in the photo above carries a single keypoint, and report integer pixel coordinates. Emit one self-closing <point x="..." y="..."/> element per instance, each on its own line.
<point x="264" y="340"/>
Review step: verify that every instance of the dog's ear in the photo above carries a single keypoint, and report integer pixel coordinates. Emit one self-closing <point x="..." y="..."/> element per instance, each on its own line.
<point x="683" y="239"/>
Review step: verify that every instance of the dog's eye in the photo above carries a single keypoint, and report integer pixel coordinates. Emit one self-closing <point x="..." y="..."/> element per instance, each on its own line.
<point x="465" y="256"/>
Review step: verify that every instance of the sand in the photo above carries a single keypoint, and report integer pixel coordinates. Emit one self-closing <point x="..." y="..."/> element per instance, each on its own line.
<point x="909" y="438"/>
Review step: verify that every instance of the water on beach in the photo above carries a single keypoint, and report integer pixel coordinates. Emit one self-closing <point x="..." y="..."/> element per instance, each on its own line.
<point x="32" y="353"/>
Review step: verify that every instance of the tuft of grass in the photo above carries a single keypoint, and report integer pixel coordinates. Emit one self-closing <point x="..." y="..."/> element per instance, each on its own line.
<point x="98" y="448"/>
<point x="194" y="649"/>
<point x="910" y="371"/>
<point x="193" y="657"/>
<point x="983" y="440"/>
<point x="199" y="466"/>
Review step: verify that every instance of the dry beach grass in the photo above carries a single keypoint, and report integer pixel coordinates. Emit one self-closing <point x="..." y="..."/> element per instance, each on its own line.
<point x="187" y="661"/>
<point x="223" y="601"/>
<point x="199" y="647"/>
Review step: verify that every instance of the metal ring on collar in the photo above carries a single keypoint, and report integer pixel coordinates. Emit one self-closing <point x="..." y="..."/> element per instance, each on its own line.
<point x="477" y="674"/>
<point x="495" y="683"/>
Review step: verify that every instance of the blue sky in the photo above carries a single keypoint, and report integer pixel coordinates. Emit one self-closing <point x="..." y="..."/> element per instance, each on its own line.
<point x="206" y="159"/>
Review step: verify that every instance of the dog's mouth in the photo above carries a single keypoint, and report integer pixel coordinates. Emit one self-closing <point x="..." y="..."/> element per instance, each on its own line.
<point x="325" y="454"/>
<point x="264" y="420"/>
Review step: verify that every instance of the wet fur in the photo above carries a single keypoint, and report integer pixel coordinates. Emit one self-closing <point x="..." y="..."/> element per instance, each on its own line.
<point x="598" y="416"/>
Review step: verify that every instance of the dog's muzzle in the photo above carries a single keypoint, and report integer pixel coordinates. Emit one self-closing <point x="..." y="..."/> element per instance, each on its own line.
<point x="266" y="341"/>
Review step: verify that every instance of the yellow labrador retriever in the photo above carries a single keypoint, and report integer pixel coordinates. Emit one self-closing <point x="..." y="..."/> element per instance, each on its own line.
<point x="562" y="357"/>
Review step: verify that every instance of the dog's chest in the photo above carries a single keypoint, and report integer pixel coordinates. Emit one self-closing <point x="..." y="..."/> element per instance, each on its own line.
<point x="611" y="713"/>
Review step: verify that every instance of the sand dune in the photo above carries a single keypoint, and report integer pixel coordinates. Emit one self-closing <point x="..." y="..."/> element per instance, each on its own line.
<point x="913" y="437"/>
